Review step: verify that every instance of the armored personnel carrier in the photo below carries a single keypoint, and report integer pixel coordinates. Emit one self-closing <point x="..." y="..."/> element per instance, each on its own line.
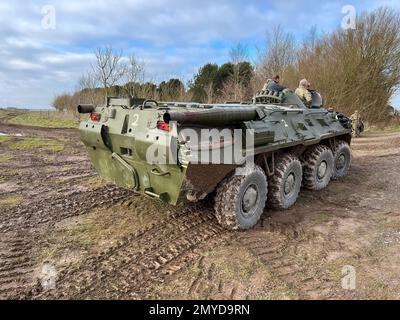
<point x="246" y="155"/>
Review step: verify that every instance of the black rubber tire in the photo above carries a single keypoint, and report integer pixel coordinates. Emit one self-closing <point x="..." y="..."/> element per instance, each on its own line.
<point x="341" y="148"/>
<point x="229" y="195"/>
<point x="311" y="160"/>
<point x="285" y="166"/>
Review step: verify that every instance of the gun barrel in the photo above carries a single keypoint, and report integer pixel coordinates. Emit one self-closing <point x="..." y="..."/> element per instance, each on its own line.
<point x="217" y="116"/>
<point x="86" y="108"/>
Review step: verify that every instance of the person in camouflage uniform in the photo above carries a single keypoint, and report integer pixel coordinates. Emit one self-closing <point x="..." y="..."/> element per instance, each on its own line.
<point x="356" y="123"/>
<point x="303" y="93"/>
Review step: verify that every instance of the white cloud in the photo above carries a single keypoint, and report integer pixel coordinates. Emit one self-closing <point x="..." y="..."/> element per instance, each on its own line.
<point x="19" y="64"/>
<point x="173" y="37"/>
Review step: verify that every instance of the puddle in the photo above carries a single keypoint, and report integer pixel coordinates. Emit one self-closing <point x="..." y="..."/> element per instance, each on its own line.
<point x="14" y="135"/>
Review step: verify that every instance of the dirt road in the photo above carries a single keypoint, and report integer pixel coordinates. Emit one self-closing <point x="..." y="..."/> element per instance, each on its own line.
<point x="59" y="221"/>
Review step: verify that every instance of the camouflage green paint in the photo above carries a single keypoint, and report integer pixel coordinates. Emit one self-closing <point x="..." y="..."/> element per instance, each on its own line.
<point x="118" y="143"/>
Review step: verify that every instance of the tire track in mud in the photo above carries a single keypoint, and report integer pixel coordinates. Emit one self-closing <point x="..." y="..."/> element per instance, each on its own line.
<point x="143" y="259"/>
<point x="17" y="251"/>
<point x="44" y="204"/>
<point x="16" y="264"/>
<point x="206" y="284"/>
<point x="156" y="264"/>
<point x="42" y="164"/>
<point x="32" y="175"/>
<point x="277" y="247"/>
<point x="52" y="209"/>
<point x="23" y="182"/>
<point x="280" y="243"/>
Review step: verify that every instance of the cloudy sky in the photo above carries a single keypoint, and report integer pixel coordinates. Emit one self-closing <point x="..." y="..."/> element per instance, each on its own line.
<point x="46" y="45"/>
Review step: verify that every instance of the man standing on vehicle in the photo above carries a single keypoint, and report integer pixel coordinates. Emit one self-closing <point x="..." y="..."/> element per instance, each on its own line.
<point x="303" y="93"/>
<point x="273" y="84"/>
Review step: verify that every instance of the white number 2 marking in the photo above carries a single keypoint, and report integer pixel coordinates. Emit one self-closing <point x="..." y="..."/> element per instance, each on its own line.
<point x="135" y="120"/>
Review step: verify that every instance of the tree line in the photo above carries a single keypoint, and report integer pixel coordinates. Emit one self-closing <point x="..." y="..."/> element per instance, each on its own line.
<point x="354" y="69"/>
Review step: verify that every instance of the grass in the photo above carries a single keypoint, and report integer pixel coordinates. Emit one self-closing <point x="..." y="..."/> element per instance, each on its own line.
<point x="11" y="201"/>
<point x="84" y="234"/>
<point x="384" y="130"/>
<point x="72" y="239"/>
<point x="46" y="119"/>
<point x="94" y="182"/>
<point x="38" y="143"/>
<point x="4" y="139"/>
<point x="4" y="158"/>
<point x="4" y="114"/>
<point x="322" y="217"/>
<point x="68" y="244"/>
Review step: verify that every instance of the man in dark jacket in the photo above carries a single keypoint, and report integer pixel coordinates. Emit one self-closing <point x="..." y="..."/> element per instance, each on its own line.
<point x="274" y="84"/>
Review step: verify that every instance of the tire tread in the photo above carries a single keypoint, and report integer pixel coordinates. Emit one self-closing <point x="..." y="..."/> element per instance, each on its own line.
<point x="227" y="194"/>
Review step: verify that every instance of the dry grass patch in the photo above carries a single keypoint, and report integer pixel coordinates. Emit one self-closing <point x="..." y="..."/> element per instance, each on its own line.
<point x="38" y="143"/>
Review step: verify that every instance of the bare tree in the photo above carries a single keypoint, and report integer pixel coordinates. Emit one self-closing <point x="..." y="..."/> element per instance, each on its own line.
<point x="134" y="76"/>
<point x="108" y="67"/>
<point x="88" y="87"/>
<point x="279" y="53"/>
<point x="238" y="54"/>
<point x="88" y="81"/>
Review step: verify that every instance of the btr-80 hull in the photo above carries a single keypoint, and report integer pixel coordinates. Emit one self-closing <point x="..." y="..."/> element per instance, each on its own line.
<point x="184" y="151"/>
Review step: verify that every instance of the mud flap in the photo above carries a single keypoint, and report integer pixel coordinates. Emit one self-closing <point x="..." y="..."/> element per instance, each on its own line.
<point x="198" y="184"/>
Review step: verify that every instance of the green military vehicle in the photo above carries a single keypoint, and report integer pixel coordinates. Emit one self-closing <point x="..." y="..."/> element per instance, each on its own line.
<point x="246" y="155"/>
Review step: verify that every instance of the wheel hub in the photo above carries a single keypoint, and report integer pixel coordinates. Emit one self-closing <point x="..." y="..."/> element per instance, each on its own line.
<point x="341" y="162"/>
<point x="249" y="199"/>
<point x="322" y="168"/>
<point x="290" y="183"/>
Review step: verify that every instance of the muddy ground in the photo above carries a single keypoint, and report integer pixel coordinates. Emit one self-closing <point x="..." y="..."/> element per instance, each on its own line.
<point x="60" y="222"/>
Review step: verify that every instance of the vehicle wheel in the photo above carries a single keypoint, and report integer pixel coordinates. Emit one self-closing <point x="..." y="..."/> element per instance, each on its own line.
<point x="342" y="159"/>
<point x="240" y="199"/>
<point x="317" y="167"/>
<point x="284" y="186"/>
